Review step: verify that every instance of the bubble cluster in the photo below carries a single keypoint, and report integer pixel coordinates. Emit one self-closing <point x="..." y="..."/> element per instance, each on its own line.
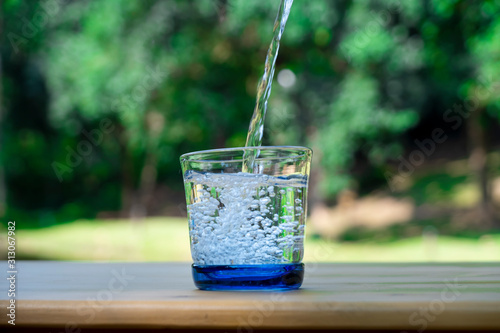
<point x="242" y="218"/>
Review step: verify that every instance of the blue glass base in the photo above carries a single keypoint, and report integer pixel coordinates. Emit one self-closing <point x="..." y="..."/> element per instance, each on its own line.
<point x="248" y="277"/>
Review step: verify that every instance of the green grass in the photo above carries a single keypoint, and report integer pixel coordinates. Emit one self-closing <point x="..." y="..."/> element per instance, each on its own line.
<point x="166" y="239"/>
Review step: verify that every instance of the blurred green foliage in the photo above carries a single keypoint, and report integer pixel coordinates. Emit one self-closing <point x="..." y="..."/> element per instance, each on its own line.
<point x="169" y="77"/>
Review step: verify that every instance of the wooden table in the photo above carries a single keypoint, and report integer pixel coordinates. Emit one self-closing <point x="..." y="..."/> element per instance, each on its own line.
<point x="76" y="297"/>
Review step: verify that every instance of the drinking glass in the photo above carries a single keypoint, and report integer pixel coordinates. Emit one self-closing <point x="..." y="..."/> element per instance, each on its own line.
<point x="247" y="228"/>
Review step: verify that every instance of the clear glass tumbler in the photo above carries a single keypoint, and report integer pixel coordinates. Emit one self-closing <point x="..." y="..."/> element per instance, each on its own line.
<point x="247" y="229"/>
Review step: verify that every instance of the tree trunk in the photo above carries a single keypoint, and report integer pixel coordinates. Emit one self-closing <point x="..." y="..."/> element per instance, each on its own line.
<point x="154" y="123"/>
<point x="146" y="189"/>
<point x="478" y="162"/>
<point x="221" y="6"/>
<point x="127" y="172"/>
<point x="303" y="118"/>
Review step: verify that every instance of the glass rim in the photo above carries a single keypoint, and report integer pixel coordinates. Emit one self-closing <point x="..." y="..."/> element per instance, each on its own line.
<point x="186" y="156"/>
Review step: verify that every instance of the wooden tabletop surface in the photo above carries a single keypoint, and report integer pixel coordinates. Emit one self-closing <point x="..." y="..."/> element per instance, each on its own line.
<point x="333" y="296"/>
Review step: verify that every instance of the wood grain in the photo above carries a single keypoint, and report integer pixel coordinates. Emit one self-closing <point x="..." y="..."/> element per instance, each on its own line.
<point x="334" y="296"/>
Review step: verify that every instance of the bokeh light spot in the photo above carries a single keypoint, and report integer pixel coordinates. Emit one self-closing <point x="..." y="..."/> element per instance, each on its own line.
<point x="286" y="78"/>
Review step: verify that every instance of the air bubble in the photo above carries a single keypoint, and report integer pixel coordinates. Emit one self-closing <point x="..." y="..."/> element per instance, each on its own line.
<point x="265" y="201"/>
<point x="245" y="230"/>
